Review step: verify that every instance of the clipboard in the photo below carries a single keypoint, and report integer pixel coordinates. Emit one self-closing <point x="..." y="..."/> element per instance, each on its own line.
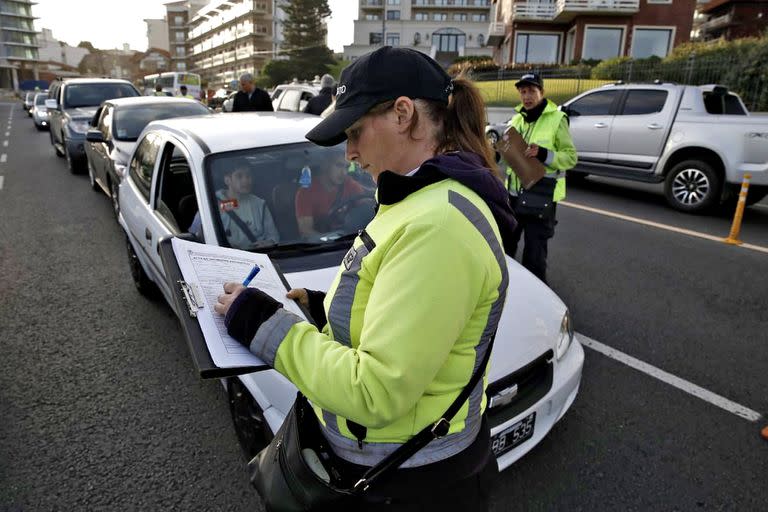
<point x="187" y="303"/>
<point x="528" y="170"/>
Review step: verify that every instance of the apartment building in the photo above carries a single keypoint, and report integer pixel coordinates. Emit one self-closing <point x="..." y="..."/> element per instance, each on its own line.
<point x="231" y="37"/>
<point x="565" y="31"/>
<point x="732" y="19"/>
<point x="157" y="34"/>
<point x="178" y="17"/>
<point x="443" y="29"/>
<point x="18" y="43"/>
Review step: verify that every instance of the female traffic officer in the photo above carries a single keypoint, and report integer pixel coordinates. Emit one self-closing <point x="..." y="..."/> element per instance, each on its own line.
<point x="417" y="298"/>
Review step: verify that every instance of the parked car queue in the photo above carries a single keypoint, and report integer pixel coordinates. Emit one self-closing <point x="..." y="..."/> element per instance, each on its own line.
<point x="173" y="181"/>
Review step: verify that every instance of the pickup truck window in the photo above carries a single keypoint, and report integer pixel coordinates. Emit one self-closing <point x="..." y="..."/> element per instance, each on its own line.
<point x="644" y="101"/>
<point x="91" y="95"/>
<point x="595" y="104"/>
<point x="720" y="104"/>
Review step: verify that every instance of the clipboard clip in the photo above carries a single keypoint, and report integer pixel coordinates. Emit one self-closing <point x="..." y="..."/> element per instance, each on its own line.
<point x="191" y="298"/>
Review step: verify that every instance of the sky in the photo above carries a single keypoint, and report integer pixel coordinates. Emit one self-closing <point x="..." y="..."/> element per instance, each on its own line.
<point x="108" y="24"/>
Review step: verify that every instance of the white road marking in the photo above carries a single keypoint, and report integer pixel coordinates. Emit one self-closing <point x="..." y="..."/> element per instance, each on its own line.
<point x="5" y="143"/>
<point x="7" y="134"/>
<point x="2" y="179"/>
<point x="3" y="158"/>
<point x="672" y="380"/>
<point x="659" y="225"/>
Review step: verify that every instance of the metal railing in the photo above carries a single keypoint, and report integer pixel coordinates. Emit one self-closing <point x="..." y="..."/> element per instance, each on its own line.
<point x="543" y="11"/>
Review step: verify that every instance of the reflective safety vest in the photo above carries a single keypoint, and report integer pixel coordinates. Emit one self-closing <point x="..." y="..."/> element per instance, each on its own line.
<point x="549" y="131"/>
<point x="411" y="312"/>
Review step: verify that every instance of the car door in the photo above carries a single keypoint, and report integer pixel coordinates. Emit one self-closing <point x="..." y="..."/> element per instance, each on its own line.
<point x="173" y="202"/>
<point x="591" y="117"/>
<point x="55" y="114"/>
<point x="135" y="194"/>
<point x="289" y="100"/>
<point x="640" y="128"/>
<point x="104" y="149"/>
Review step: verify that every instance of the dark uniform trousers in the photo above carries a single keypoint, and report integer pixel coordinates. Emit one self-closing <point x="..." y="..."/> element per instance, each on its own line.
<point x="537" y="233"/>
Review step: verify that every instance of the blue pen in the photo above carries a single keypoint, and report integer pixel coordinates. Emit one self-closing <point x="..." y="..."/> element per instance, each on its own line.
<point x="255" y="270"/>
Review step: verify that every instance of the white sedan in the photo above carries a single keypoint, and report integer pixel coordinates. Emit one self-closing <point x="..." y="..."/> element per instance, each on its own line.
<point x="180" y="179"/>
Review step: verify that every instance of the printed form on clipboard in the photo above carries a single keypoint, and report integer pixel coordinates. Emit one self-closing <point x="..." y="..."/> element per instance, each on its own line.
<point x="205" y="269"/>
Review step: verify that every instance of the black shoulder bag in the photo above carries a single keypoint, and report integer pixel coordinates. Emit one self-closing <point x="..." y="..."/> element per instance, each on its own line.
<point x="537" y="201"/>
<point x="287" y="483"/>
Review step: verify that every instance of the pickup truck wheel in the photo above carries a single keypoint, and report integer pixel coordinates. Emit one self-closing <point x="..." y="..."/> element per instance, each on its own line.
<point x="141" y="280"/>
<point x="692" y="186"/>
<point x="73" y="165"/>
<point x="252" y="429"/>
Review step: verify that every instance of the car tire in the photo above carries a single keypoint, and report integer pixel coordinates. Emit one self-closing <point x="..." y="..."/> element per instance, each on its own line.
<point x="91" y="178"/>
<point x="74" y="166"/>
<point x="114" y="197"/>
<point x="141" y="280"/>
<point x="251" y="427"/>
<point x="692" y="186"/>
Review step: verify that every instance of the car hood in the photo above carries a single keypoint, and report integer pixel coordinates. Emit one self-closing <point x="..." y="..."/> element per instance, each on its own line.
<point x="82" y="112"/>
<point x="529" y="325"/>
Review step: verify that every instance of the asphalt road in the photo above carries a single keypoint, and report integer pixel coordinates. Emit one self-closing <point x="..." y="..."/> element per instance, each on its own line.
<point x="100" y="408"/>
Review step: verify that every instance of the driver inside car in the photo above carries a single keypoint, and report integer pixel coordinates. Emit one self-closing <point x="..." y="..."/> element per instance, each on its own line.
<point x="246" y="217"/>
<point x="331" y="201"/>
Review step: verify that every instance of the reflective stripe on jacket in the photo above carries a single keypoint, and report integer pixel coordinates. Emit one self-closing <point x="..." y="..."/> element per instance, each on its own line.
<point x="549" y="131"/>
<point x="411" y="312"/>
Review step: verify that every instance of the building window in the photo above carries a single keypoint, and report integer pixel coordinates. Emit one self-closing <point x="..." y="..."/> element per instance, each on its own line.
<point x="449" y="40"/>
<point x="180" y="51"/>
<point x="179" y="36"/>
<point x="480" y="40"/>
<point x="416" y="39"/>
<point x="659" y="1"/>
<point x="393" y="39"/>
<point x="602" y="43"/>
<point x="178" y="20"/>
<point x="440" y="16"/>
<point x="372" y="17"/>
<point x="181" y="66"/>
<point x="421" y="16"/>
<point x="374" y="38"/>
<point x="393" y="15"/>
<point x="462" y="16"/>
<point x="480" y="17"/>
<point x="651" y="41"/>
<point x="537" y="48"/>
<point x="393" y="2"/>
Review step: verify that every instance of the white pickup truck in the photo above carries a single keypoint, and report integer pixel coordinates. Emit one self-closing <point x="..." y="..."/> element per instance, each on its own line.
<point x="698" y="140"/>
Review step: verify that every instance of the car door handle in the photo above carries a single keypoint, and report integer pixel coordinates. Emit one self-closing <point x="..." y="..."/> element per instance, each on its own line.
<point x="147" y="234"/>
<point x="655" y="126"/>
<point x="601" y="125"/>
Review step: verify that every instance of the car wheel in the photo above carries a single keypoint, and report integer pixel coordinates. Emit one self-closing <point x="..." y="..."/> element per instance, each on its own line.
<point x="692" y="186"/>
<point x="492" y="137"/>
<point x="72" y="165"/>
<point x="91" y="177"/>
<point x="113" y="195"/>
<point x="252" y="429"/>
<point x="143" y="283"/>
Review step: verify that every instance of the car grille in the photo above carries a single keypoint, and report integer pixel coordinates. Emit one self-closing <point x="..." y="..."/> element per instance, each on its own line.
<point x="533" y="382"/>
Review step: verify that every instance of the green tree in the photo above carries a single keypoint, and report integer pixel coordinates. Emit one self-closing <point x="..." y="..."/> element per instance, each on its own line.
<point x="305" y="34"/>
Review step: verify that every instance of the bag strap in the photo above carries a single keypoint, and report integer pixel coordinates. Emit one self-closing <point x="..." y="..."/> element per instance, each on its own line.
<point x="434" y="431"/>
<point x="242" y="225"/>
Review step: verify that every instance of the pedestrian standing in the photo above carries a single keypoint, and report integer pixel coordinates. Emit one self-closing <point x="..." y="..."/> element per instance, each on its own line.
<point x="415" y="304"/>
<point x="251" y="98"/>
<point x="324" y="98"/>
<point x="545" y="129"/>
<point x="184" y="94"/>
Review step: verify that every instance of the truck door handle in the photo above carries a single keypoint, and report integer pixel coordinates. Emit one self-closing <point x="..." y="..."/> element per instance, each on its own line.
<point x="147" y="234"/>
<point x="655" y="126"/>
<point x="600" y="125"/>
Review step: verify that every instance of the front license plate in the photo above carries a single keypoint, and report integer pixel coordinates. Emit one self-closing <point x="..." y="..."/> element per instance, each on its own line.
<point x="513" y="436"/>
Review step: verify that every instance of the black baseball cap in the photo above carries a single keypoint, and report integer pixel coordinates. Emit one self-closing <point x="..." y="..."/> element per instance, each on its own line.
<point x="530" y="79"/>
<point x="382" y="75"/>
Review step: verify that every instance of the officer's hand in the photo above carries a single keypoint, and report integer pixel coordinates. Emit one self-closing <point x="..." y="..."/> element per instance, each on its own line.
<point x="532" y="151"/>
<point x="231" y="291"/>
<point x="299" y="294"/>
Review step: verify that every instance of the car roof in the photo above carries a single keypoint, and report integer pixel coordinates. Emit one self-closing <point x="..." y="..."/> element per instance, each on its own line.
<point x="149" y="100"/>
<point x="218" y="133"/>
<point x="70" y="81"/>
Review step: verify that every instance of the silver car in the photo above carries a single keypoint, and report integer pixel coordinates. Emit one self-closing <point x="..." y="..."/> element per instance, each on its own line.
<point x="39" y="112"/>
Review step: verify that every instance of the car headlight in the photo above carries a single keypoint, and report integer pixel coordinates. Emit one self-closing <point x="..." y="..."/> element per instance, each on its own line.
<point x="79" y="126"/>
<point x="566" y="335"/>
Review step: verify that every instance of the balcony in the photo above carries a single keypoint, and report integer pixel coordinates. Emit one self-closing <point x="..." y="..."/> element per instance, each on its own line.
<point x="565" y="10"/>
<point x="497" y="31"/>
<point x="472" y="4"/>
<point x="716" y="23"/>
<point x="372" y="4"/>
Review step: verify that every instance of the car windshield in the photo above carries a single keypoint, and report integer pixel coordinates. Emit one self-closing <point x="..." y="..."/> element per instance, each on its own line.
<point x="130" y="121"/>
<point x="92" y="95"/>
<point x="297" y="196"/>
<point x="40" y="99"/>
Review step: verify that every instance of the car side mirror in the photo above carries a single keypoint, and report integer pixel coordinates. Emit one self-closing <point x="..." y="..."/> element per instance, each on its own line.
<point x="94" y="135"/>
<point x="51" y="104"/>
<point x="569" y="111"/>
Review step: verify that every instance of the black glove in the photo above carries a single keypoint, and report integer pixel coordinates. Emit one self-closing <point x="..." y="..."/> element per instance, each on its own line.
<point x="316" y="309"/>
<point x="541" y="155"/>
<point x="250" y="309"/>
